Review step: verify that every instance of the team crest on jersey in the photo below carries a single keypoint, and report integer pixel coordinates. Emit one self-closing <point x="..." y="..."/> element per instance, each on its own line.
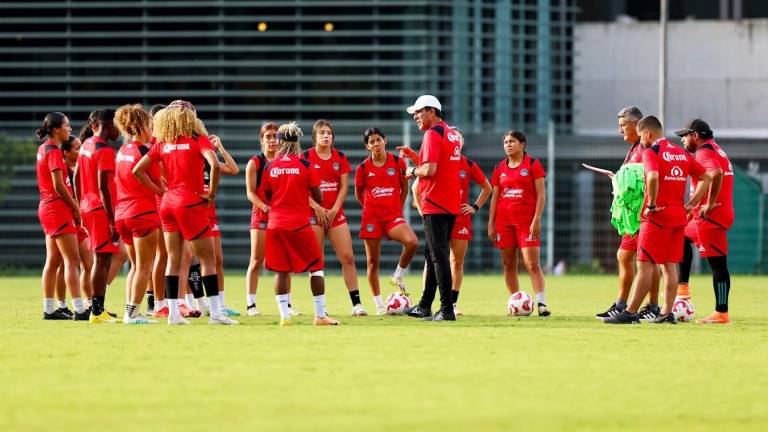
<point x="524" y="172"/>
<point x="463" y="174"/>
<point x="369" y="228"/>
<point x="390" y="172"/>
<point x="336" y="166"/>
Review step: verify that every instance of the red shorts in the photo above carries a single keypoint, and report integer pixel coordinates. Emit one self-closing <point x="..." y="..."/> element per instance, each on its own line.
<point x="99" y="235"/>
<point x="339" y="220"/>
<point x="710" y="238"/>
<point x="258" y="222"/>
<point x="372" y="227"/>
<point x="462" y="228"/>
<point x="137" y="226"/>
<point x="192" y="220"/>
<point x="660" y="245"/>
<point x="289" y="251"/>
<point x="628" y="242"/>
<point x="514" y="236"/>
<point x="56" y="220"/>
<point x="214" y="221"/>
<point x="82" y="234"/>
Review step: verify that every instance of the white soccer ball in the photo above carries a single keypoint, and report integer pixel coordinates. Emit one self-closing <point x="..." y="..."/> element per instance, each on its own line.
<point x="396" y="303"/>
<point x="520" y="304"/>
<point x="683" y="310"/>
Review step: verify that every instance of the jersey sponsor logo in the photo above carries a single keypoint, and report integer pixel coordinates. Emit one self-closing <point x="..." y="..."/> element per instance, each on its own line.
<point x="464" y="231"/>
<point x="277" y="171"/>
<point x="670" y="157"/>
<point x="524" y="172"/>
<point x="326" y="186"/>
<point x="125" y="158"/>
<point x="390" y="172"/>
<point x="382" y="192"/>
<point x="453" y="136"/>
<point x="462" y="174"/>
<point x="369" y="228"/>
<point x="456" y="153"/>
<point x="513" y="193"/>
<point x="722" y="153"/>
<point x="676" y="174"/>
<point x="336" y="166"/>
<point x="167" y="148"/>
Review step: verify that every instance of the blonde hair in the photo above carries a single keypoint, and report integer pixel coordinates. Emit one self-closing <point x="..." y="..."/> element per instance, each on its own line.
<point x="288" y="139"/>
<point x="132" y="119"/>
<point x="175" y="121"/>
<point x="320" y="123"/>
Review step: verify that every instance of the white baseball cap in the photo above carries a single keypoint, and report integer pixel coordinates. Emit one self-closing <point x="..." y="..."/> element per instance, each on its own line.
<point x="422" y="102"/>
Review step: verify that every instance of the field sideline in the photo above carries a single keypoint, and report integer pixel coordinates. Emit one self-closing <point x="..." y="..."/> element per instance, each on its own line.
<point x="484" y="372"/>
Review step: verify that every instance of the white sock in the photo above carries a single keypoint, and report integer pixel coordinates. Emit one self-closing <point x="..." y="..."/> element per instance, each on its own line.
<point x="202" y="304"/>
<point x="161" y="304"/>
<point x="378" y="300"/>
<point x="282" y="305"/>
<point x="190" y="300"/>
<point x="62" y="304"/>
<point x="250" y="300"/>
<point x="221" y="298"/>
<point x="319" y="305"/>
<point x="77" y="305"/>
<point x="541" y="298"/>
<point x="215" y="306"/>
<point x="88" y="302"/>
<point x="49" y="305"/>
<point x="399" y="272"/>
<point x="173" y="308"/>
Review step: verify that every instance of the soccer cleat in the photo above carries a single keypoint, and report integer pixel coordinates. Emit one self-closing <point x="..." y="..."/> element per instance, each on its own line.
<point x="103" y="318"/>
<point x="187" y="312"/>
<point x="440" y="316"/>
<point x="683" y="293"/>
<point x="623" y="317"/>
<point x="543" y="311"/>
<point x="222" y="320"/>
<point x="381" y="310"/>
<point x="417" y="312"/>
<point x="457" y="311"/>
<point x="139" y="319"/>
<point x="649" y="312"/>
<point x="161" y="313"/>
<point x="285" y="322"/>
<point x="177" y="320"/>
<point x="82" y="316"/>
<point x="325" y="321"/>
<point x="67" y="312"/>
<point x="252" y="311"/>
<point x="359" y="310"/>
<point x="112" y="314"/>
<point x="293" y="311"/>
<point x="57" y="315"/>
<point x="715" y="318"/>
<point x="611" y="312"/>
<point x="665" y="319"/>
<point x="228" y="311"/>
<point x="399" y="283"/>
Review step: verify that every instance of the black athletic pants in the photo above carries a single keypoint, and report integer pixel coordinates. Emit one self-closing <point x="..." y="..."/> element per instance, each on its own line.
<point x="437" y="229"/>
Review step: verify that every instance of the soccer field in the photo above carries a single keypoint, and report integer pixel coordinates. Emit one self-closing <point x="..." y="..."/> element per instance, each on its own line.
<point x="486" y="371"/>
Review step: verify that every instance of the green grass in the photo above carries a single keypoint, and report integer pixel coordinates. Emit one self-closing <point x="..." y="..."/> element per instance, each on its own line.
<point x="484" y="372"/>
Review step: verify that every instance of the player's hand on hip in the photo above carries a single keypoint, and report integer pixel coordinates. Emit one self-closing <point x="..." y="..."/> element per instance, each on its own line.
<point x="707" y="209"/>
<point x="467" y="209"/>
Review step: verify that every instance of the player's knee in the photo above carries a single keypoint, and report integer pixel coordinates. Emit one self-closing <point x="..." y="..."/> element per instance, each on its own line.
<point x="533" y="267"/>
<point x="373" y="265"/>
<point x="347" y="259"/>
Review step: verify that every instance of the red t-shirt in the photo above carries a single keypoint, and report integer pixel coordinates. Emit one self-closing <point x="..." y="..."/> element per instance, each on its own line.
<point x="183" y="163"/>
<point x="469" y="170"/>
<point x="329" y="172"/>
<point x="441" y="193"/>
<point x="635" y="153"/>
<point x="260" y="162"/>
<point x="95" y="156"/>
<point x="49" y="159"/>
<point x="674" y="165"/>
<point x="380" y="187"/>
<point x="517" y="191"/>
<point x="287" y="180"/>
<point x="133" y="198"/>
<point x="712" y="157"/>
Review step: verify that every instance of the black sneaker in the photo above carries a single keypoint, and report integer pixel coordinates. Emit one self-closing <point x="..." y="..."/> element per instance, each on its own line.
<point x="56" y="315"/>
<point x="649" y="312"/>
<point x="623" y="317"/>
<point x="611" y="312"/>
<point x="417" y="312"/>
<point x="67" y="312"/>
<point x="665" y="319"/>
<point x="543" y="311"/>
<point x="83" y="316"/>
<point x="440" y="316"/>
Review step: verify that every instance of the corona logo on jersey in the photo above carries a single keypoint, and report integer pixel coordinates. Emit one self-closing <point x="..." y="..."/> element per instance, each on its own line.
<point x="669" y="157"/>
<point x="328" y="186"/>
<point x="125" y="158"/>
<point x="277" y="171"/>
<point x="676" y="174"/>
<point x="453" y="136"/>
<point x="167" y="148"/>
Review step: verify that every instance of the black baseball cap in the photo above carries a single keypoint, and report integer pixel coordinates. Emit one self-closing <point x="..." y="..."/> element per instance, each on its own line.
<point x="695" y="126"/>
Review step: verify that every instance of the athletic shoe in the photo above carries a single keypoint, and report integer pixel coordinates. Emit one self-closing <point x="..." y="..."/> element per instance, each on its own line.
<point x="161" y="313"/>
<point x="325" y="321"/>
<point x="57" y="315"/>
<point x="683" y="293"/>
<point x="610" y="313"/>
<point x="67" y="312"/>
<point x="665" y="319"/>
<point x="543" y="311"/>
<point x="188" y="312"/>
<point x="381" y="310"/>
<point x="139" y="319"/>
<point x="359" y="310"/>
<point x="222" y="320"/>
<point x="82" y="316"/>
<point x="149" y="321"/>
<point x="293" y="312"/>
<point x="623" y="317"/>
<point x="440" y="316"/>
<point x="112" y="314"/>
<point x="228" y="311"/>
<point x="649" y="312"/>
<point x="457" y="311"/>
<point x="417" y="312"/>
<point x="103" y="318"/>
<point x="285" y="322"/>
<point x="178" y="321"/>
<point x="399" y="283"/>
<point x="252" y="311"/>
<point x="715" y="318"/>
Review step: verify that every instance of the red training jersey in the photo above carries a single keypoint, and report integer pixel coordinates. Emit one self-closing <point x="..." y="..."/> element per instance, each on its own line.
<point x="287" y="180"/>
<point x="674" y="165"/>
<point x="49" y="159"/>
<point x="183" y="163"/>
<point x="517" y="192"/>
<point x="712" y="157"/>
<point x="95" y="156"/>
<point x="381" y="187"/>
<point x="469" y="170"/>
<point x="133" y="198"/>
<point x="441" y="192"/>
<point x="261" y="163"/>
<point x="329" y="172"/>
<point x="635" y="153"/>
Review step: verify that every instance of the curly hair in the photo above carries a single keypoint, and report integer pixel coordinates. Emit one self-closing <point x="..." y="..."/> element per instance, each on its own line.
<point x="288" y="139"/>
<point x="132" y="119"/>
<point x="175" y="121"/>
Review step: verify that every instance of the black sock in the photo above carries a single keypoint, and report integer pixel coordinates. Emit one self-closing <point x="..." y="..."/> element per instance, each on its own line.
<point x="211" y="285"/>
<point x="195" y="282"/>
<point x="171" y="287"/>
<point x="354" y="296"/>
<point x="721" y="281"/>
<point x="97" y="306"/>
<point x="150" y="300"/>
<point x="455" y="295"/>
<point x="685" y="266"/>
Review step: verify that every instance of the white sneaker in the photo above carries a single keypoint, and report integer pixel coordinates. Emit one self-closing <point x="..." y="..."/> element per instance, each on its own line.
<point x="359" y="310"/>
<point x="139" y="319"/>
<point x="222" y="320"/>
<point x="381" y="310"/>
<point x="293" y="312"/>
<point x="172" y="320"/>
<point x="399" y="283"/>
<point x="252" y="311"/>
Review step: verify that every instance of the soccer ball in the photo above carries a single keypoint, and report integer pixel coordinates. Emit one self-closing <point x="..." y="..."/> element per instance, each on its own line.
<point x="520" y="304"/>
<point x="396" y="303"/>
<point x="683" y="310"/>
